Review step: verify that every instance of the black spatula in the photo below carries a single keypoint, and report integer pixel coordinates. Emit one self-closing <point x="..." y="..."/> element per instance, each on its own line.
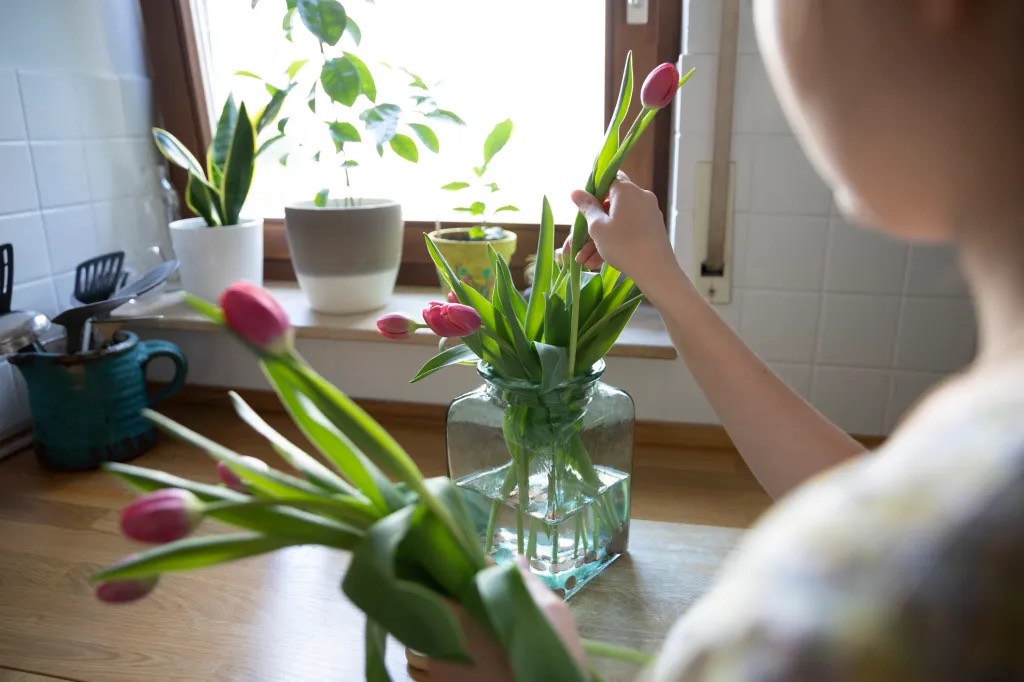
<point x="97" y="278"/>
<point x="6" y="277"/>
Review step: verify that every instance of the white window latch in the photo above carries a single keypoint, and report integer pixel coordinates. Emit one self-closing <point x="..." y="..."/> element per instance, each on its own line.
<point x="636" y="11"/>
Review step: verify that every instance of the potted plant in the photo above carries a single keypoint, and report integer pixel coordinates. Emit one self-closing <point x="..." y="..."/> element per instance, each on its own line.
<point x="219" y="246"/>
<point x="346" y="249"/>
<point x="467" y="249"/>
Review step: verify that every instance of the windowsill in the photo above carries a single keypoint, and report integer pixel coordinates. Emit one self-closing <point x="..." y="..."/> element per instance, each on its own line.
<point x="643" y="337"/>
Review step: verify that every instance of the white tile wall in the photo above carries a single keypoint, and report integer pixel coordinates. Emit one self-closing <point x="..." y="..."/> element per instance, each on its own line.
<point x="75" y="152"/>
<point x="857" y="321"/>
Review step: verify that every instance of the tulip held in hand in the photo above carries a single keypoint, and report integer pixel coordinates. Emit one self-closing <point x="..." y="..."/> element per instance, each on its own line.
<point x="660" y="86"/>
<point x="162" y="516"/>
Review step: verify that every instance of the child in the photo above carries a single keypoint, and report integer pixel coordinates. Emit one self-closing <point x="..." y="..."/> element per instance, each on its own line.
<point x="902" y="564"/>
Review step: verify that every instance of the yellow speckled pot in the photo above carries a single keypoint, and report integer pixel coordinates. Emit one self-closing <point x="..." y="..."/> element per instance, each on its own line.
<point x="469" y="259"/>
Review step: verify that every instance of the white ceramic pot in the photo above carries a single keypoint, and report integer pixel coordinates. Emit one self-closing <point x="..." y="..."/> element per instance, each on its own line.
<point x="213" y="258"/>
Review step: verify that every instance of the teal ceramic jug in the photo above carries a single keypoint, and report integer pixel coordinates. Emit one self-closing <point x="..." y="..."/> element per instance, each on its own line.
<point x="86" y="408"/>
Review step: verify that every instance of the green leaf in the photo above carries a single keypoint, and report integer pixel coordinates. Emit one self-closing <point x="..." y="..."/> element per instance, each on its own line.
<point x="340" y="79"/>
<point x="452" y="356"/>
<point x="192" y="553"/>
<point x="609" y="277"/>
<point x="283" y="159"/>
<point x="554" y="365"/>
<point x="446" y="116"/>
<point x="320" y="200"/>
<point x="238" y="168"/>
<point x="342" y="132"/>
<point x="513" y="308"/>
<point x="497" y="139"/>
<point x="611" y="139"/>
<point x="273" y="108"/>
<point x="556" y="321"/>
<point x="494" y="187"/>
<point x="352" y="28"/>
<point x="266" y="145"/>
<point x="477" y="208"/>
<point x="324" y="18"/>
<point x="609" y="302"/>
<point x="508" y="207"/>
<point x="287" y="22"/>
<point x="416" y="82"/>
<point x="349" y="163"/>
<point x="415" y="615"/>
<point x="249" y="74"/>
<point x="427" y="136"/>
<point x="176" y="152"/>
<point x="541" y="274"/>
<point x="479" y="170"/>
<point x="376" y="649"/>
<point x="295" y="67"/>
<point x="452" y="186"/>
<point x="281" y="125"/>
<point x="366" y="82"/>
<point x="210" y="311"/>
<point x="590" y="294"/>
<point x="405" y="147"/>
<point x="202" y="200"/>
<point x="381" y="121"/>
<point x="596" y="343"/>
<point x="535" y="651"/>
<point x="311" y="98"/>
<point x="316" y="158"/>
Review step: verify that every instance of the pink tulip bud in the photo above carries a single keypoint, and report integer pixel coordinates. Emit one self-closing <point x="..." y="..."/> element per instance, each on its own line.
<point x="451" y="320"/>
<point x="660" y="86"/>
<point x="397" y="325"/>
<point x="453" y="297"/>
<point x="162" y="516"/>
<point x="126" y="589"/>
<point x="252" y="313"/>
<point x="233" y="480"/>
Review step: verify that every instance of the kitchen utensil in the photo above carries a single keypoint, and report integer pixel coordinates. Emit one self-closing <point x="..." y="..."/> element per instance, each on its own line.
<point x="150" y="280"/>
<point x="97" y="278"/>
<point x="6" y="277"/>
<point x="21" y="329"/>
<point x="74" y="320"/>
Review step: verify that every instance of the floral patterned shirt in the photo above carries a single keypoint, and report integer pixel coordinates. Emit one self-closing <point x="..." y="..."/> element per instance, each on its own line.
<point x="904" y="565"/>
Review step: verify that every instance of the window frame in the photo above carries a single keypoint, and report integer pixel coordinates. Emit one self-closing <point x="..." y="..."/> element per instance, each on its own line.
<point x="180" y="100"/>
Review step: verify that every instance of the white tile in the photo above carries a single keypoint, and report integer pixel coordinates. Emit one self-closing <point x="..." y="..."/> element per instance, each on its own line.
<point x="858" y="330"/>
<point x="935" y="271"/>
<point x="756" y="109"/>
<point x="783" y="179"/>
<point x="797" y="377"/>
<point x="864" y="261"/>
<point x="100" y="106"/>
<point x="12" y="119"/>
<point x="25" y="232"/>
<point x="61" y="173"/>
<point x="702" y="26"/>
<point x="696" y="110"/>
<point x="740" y="249"/>
<point x="113" y="171"/>
<point x="39" y="295"/>
<point x="694" y="148"/>
<point x="855" y="399"/>
<point x="18" y="188"/>
<point x="747" y="39"/>
<point x="907" y="389"/>
<point x="49" y="104"/>
<point x="936" y="334"/>
<point x="114" y="220"/>
<point x="65" y="286"/>
<point x="784" y="252"/>
<point x="71" y="236"/>
<point x="138" y="106"/>
<point x="780" y="326"/>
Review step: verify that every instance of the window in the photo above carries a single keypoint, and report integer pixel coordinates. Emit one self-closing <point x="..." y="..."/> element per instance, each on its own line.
<point x="553" y="68"/>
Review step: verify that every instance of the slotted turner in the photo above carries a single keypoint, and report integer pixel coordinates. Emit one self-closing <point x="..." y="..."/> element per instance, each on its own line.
<point x="6" y="277"/>
<point x="149" y="281"/>
<point x="97" y="278"/>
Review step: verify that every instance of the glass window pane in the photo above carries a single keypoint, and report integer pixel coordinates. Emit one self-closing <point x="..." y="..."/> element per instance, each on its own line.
<point x="538" y="63"/>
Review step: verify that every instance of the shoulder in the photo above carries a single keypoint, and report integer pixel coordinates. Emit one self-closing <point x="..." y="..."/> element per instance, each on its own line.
<point x="888" y="567"/>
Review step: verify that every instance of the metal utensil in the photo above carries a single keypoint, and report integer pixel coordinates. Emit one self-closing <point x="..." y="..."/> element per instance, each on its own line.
<point x="150" y="280"/>
<point x="6" y="277"/>
<point x="75" y="320"/>
<point x="21" y="329"/>
<point x="97" y="278"/>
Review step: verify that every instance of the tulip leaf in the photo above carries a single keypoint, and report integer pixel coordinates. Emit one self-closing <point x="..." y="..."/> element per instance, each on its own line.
<point x="427" y="136"/>
<point x="376" y="649"/>
<point x="291" y="523"/>
<point x="238" y="168"/>
<point x="176" y="152"/>
<point x="556" y="322"/>
<point x="202" y="200"/>
<point x="381" y="121"/>
<point x="619" y="294"/>
<point x="208" y="310"/>
<point x="591" y="293"/>
<point x="404" y="147"/>
<point x="535" y="651"/>
<point x="340" y="79"/>
<point x="611" y="138"/>
<point x="599" y="340"/>
<point x="554" y="365"/>
<point x="609" y="277"/>
<point x="193" y="553"/>
<point x="415" y="615"/>
<point x="324" y="18"/>
<point x="430" y="544"/>
<point x="541" y="274"/>
<point x="223" y="134"/>
<point x="497" y="139"/>
<point x="513" y="309"/>
<point x="366" y="83"/>
<point x="299" y="459"/>
<point x="452" y="356"/>
<point x="342" y="132"/>
<point x="466" y="295"/>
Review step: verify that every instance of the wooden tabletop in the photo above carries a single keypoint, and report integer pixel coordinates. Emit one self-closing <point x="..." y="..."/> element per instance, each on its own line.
<point x="279" y="618"/>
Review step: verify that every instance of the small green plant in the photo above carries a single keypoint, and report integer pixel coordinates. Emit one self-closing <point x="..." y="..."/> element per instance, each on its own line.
<point x="218" y="193"/>
<point x="482" y="189"/>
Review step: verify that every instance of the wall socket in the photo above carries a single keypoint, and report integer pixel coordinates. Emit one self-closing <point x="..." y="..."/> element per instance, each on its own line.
<point x="718" y="288"/>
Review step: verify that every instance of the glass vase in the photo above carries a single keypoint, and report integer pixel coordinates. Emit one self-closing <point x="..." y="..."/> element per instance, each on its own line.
<point x="546" y="474"/>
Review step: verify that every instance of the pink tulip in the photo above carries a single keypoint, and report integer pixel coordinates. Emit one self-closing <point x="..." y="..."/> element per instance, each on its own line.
<point x="162" y="516"/>
<point x="397" y="325"/>
<point x="660" y="86"/>
<point x="254" y="315"/>
<point x="126" y="589"/>
<point x="233" y="480"/>
<point x="451" y="320"/>
<point x="453" y="297"/>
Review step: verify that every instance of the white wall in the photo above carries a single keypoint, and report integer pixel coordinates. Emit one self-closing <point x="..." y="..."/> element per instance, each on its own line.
<point x="76" y="161"/>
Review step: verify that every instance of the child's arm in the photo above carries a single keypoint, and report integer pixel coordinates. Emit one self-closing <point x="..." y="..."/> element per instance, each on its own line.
<point x="783" y="439"/>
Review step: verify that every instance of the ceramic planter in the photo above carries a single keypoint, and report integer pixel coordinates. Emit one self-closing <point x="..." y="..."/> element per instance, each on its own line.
<point x="346" y="254"/>
<point x="469" y="259"/>
<point x="213" y="258"/>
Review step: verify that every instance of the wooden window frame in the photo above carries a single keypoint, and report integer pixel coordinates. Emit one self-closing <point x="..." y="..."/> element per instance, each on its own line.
<point x="181" y="107"/>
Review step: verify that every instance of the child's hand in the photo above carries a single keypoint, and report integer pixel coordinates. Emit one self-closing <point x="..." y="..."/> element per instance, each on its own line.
<point x="629" y="232"/>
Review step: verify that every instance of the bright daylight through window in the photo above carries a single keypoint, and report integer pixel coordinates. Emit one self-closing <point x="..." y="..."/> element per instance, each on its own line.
<point x="540" y="64"/>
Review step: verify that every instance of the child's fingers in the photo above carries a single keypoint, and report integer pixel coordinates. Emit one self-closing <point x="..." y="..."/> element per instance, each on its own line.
<point x="587" y="252"/>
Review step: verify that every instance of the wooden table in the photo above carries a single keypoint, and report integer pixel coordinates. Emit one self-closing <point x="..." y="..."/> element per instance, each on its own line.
<point x="279" y="618"/>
